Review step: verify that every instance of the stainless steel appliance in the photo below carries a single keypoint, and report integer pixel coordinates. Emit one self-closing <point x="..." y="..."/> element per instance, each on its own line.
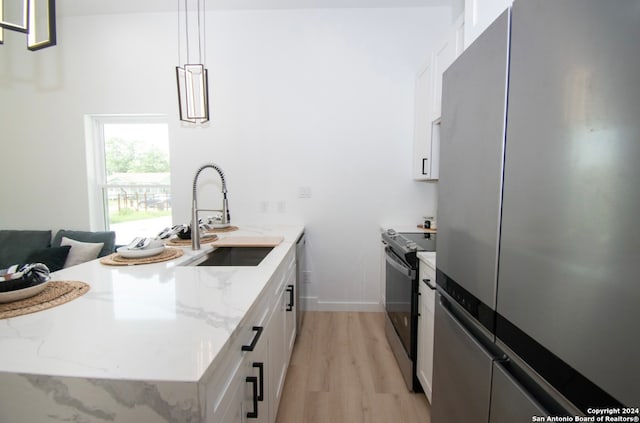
<point x="401" y="297"/>
<point x="537" y="240"/>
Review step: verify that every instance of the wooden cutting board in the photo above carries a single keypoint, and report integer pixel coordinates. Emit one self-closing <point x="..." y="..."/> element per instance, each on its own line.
<point x="427" y="230"/>
<point x="248" y="241"/>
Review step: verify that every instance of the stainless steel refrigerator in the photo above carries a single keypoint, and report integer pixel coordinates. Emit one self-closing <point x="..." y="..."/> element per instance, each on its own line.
<point x="539" y="196"/>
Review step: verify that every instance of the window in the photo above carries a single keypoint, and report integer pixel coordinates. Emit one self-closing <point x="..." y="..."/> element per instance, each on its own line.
<point x="129" y="175"/>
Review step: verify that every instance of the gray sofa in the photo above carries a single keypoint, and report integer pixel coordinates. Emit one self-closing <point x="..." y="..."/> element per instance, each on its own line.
<point x="26" y="246"/>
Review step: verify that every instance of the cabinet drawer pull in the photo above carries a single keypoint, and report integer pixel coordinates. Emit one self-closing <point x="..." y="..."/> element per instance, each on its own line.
<point x="255" y="339"/>
<point x="260" y="367"/>
<point x="291" y="300"/>
<point x="254" y="381"/>
<point x="428" y="283"/>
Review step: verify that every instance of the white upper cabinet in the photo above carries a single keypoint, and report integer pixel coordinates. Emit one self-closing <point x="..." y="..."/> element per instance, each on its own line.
<point x="443" y="57"/>
<point x="422" y="122"/>
<point x="479" y="14"/>
<point x="428" y="103"/>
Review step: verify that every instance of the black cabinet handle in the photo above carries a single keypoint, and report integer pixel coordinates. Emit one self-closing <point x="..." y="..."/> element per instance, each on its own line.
<point x="260" y="367"/>
<point x="419" y="295"/>
<point x="253" y="380"/>
<point x="254" y="341"/>
<point x="291" y="303"/>
<point x="428" y="283"/>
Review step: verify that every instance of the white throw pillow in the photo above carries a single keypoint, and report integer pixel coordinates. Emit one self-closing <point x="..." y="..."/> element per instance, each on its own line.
<point x="81" y="252"/>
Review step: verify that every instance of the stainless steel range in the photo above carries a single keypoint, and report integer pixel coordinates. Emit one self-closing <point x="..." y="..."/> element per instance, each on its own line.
<point x="401" y="297"/>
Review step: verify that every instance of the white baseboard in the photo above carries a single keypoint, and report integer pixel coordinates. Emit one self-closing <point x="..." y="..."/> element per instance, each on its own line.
<point x="314" y="304"/>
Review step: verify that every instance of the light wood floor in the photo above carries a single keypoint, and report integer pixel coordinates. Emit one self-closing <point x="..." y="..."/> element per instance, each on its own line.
<point x="342" y="370"/>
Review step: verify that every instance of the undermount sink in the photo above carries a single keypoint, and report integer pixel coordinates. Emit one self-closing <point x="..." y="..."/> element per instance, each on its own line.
<point x="233" y="256"/>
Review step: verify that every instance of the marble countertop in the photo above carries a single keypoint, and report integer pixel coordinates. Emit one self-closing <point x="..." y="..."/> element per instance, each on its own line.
<point x="162" y="321"/>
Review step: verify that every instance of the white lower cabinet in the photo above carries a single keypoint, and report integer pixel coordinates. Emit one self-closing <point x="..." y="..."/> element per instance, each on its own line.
<point x="246" y="384"/>
<point x="282" y="333"/>
<point x="234" y="410"/>
<point x="245" y="399"/>
<point x="256" y="383"/>
<point x="426" y="327"/>
<point x="291" y="310"/>
<point x="277" y="370"/>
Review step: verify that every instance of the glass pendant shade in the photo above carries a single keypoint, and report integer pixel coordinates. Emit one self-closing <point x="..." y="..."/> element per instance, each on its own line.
<point x="193" y="93"/>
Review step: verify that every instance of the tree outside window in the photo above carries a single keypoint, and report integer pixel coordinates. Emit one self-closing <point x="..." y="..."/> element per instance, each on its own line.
<point x="134" y="175"/>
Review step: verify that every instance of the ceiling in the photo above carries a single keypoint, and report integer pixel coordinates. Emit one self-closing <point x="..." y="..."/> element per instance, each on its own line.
<point x="100" y="7"/>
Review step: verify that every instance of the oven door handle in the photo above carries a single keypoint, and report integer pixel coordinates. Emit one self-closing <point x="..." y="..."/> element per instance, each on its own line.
<point x="397" y="264"/>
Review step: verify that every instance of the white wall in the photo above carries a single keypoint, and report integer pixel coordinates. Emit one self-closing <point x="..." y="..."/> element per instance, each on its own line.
<point x="316" y="98"/>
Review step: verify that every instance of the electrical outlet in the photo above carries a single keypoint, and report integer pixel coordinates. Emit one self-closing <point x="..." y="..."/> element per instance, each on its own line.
<point x="304" y="192"/>
<point x="282" y="206"/>
<point x="306" y="276"/>
<point x="264" y="206"/>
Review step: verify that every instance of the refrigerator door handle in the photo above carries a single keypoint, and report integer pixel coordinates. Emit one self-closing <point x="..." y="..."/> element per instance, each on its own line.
<point x="462" y="327"/>
<point x="523" y="391"/>
<point x="516" y="396"/>
<point x="532" y="386"/>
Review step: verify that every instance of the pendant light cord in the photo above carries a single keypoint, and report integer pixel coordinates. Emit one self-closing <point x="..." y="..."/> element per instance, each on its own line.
<point x="199" y="37"/>
<point x="186" y="22"/>
<point x="202" y="36"/>
<point x="204" y="31"/>
<point x="179" y="35"/>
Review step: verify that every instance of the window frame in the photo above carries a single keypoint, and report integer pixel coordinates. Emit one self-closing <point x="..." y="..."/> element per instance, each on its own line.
<point x="96" y="160"/>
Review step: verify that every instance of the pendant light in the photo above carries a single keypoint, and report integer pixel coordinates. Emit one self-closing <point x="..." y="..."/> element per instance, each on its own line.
<point x="36" y="19"/>
<point x="192" y="78"/>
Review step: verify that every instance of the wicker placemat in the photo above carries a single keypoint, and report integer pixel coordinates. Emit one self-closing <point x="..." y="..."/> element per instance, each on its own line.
<point x="56" y="293"/>
<point x="227" y="229"/>
<point x="116" y="259"/>
<point x="177" y="242"/>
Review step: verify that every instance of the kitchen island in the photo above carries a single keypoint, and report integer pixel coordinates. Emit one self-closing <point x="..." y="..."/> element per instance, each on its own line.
<point x="147" y="343"/>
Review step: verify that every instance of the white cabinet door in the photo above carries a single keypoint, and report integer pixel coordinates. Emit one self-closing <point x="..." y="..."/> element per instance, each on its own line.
<point x="256" y="382"/>
<point x="282" y="332"/>
<point x="291" y="308"/>
<point x="235" y="407"/>
<point x="428" y="104"/>
<point x="479" y="14"/>
<point x="426" y="328"/>
<point x="422" y="123"/>
<point x="247" y="383"/>
<point x="450" y="48"/>
<point x="276" y="353"/>
<point x="245" y="398"/>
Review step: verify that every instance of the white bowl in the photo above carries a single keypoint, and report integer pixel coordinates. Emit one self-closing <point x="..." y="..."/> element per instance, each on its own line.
<point x="147" y="252"/>
<point x="19" y="294"/>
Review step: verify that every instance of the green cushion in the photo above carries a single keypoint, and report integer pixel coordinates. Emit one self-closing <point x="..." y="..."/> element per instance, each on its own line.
<point x="108" y="238"/>
<point x="53" y="257"/>
<point x="16" y="245"/>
